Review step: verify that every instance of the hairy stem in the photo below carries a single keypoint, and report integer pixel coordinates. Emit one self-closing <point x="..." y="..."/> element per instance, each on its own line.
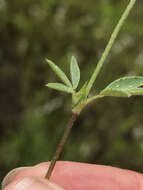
<point x="61" y="145"/>
<point x="110" y="44"/>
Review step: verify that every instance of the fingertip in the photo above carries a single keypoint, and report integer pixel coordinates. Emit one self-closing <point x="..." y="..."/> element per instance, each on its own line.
<point x="10" y="176"/>
<point x="33" y="183"/>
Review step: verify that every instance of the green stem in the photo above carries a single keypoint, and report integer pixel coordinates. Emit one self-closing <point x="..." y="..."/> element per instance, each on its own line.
<point x="110" y="44"/>
<point x="61" y="145"/>
<point x="94" y="98"/>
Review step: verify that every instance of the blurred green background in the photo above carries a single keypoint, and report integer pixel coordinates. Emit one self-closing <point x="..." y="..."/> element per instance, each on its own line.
<point x="33" y="117"/>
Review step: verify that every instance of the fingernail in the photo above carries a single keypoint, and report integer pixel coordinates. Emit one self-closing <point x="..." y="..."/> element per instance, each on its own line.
<point x="24" y="184"/>
<point x="10" y="176"/>
<point x="33" y="183"/>
<point x="54" y="186"/>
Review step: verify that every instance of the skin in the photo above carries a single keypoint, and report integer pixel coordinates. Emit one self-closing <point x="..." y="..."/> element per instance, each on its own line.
<point x="75" y="176"/>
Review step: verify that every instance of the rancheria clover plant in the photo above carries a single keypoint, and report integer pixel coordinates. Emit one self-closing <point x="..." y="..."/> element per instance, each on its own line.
<point x="123" y="87"/>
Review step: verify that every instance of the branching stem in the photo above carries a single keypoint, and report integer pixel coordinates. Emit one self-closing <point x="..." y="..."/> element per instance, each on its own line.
<point x="61" y="145"/>
<point x="89" y="86"/>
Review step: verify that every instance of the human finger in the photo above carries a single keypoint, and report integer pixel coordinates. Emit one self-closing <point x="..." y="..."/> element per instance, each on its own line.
<point x="77" y="176"/>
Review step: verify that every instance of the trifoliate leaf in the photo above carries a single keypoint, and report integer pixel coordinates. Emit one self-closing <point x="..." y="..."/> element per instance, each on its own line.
<point x="59" y="72"/>
<point x="75" y="72"/>
<point x="124" y="87"/>
<point x="60" y="87"/>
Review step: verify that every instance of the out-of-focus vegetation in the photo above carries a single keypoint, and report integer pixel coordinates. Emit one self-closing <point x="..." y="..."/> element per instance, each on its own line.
<point x="33" y="117"/>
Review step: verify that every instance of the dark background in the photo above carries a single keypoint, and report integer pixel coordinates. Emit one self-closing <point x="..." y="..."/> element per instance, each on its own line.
<point x="33" y="117"/>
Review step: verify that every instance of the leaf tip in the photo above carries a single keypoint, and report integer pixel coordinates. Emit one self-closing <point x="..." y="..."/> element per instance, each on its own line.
<point x="47" y="85"/>
<point x="73" y="57"/>
<point x="48" y="60"/>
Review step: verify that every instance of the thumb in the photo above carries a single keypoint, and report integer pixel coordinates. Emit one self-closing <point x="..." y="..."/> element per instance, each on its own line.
<point x="33" y="183"/>
<point x="27" y="183"/>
